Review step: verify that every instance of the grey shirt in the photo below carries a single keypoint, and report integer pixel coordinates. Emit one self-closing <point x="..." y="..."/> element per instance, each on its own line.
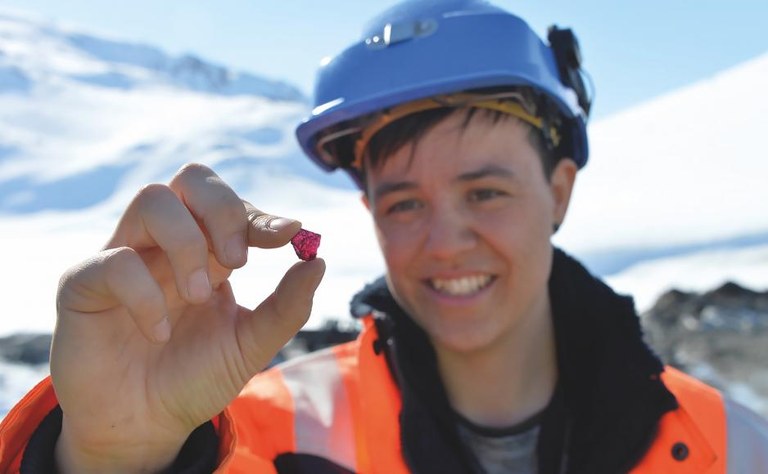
<point x="506" y="451"/>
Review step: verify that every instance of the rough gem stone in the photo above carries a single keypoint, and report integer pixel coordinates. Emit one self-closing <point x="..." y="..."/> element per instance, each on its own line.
<point x="306" y="243"/>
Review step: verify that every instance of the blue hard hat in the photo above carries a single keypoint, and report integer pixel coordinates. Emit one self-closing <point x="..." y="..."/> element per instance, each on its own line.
<point x="423" y="48"/>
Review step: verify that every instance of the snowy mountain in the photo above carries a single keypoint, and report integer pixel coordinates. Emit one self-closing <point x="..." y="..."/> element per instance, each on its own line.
<point x="77" y="110"/>
<point x="35" y="53"/>
<point x="681" y="173"/>
<point x="85" y="122"/>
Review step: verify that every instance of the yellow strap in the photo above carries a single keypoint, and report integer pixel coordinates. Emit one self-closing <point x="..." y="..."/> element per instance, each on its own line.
<point x="500" y="103"/>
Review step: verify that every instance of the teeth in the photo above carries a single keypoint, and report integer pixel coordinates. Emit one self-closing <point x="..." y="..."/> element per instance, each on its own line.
<point x="461" y="286"/>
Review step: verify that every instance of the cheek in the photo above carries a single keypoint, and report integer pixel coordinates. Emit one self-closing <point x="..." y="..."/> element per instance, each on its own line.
<point x="539" y="212"/>
<point x="397" y="245"/>
<point x="521" y="231"/>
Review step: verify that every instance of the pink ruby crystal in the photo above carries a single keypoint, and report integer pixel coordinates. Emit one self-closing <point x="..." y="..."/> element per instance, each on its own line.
<point x="306" y="243"/>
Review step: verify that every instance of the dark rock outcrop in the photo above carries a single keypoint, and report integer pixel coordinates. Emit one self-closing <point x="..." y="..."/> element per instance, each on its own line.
<point x="32" y="349"/>
<point x="720" y="336"/>
<point x="310" y="340"/>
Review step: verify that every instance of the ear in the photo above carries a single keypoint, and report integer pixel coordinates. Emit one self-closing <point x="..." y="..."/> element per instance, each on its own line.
<point x="365" y="201"/>
<point x="561" y="186"/>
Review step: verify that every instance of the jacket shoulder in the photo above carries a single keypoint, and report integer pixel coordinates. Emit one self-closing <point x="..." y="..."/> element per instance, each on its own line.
<point x="707" y="433"/>
<point x="689" y="391"/>
<point x="692" y="437"/>
<point x="21" y="422"/>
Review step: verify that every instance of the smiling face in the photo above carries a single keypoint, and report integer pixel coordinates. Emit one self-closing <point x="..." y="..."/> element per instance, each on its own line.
<point x="463" y="218"/>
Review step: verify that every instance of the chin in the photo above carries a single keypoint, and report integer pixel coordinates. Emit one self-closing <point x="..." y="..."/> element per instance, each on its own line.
<point x="462" y="339"/>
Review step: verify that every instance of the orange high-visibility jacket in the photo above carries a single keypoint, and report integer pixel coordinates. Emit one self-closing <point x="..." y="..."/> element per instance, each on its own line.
<point x="341" y="405"/>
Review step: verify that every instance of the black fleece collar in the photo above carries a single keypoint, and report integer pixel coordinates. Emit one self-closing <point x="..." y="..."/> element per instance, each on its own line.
<point x="611" y="395"/>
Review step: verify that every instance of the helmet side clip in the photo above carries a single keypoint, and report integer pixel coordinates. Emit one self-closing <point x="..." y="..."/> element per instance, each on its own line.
<point x="567" y="53"/>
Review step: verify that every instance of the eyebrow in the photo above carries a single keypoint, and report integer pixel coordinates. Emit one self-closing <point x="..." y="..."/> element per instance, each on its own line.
<point x="392" y="187"/>
<point x="485" y="172"/>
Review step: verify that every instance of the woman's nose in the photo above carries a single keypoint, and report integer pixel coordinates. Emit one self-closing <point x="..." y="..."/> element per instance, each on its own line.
<point x="449" y="233"/>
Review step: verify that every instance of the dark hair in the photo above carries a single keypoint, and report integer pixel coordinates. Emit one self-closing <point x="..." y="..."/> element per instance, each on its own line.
<point x="412" y="128"/>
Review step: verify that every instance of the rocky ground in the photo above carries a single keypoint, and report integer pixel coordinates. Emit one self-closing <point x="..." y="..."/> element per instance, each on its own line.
<point x="720" y="336"/>
<point x="32" y="349"/>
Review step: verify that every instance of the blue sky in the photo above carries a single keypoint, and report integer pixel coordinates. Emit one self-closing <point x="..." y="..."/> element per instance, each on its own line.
<point x="633" y="50"/>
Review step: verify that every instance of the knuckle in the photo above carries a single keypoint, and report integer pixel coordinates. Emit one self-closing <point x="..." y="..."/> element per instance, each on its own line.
<point x="150" y="193"/>
<point x="229" y="210"/>
<point x="259" y="219"/>
<point x="116" y="261"/>
<point x="191" y="171"/>
<point x="67" y="280"/>
<point x="190" y="246"/>
<point x="120" y="267"/>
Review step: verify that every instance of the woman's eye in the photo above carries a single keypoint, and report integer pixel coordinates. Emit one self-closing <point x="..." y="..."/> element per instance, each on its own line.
<point x="484" y="194"/>
<point x="404" y="206"/>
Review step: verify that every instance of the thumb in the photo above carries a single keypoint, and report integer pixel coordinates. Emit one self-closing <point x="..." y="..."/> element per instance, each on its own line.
<point x="263" y="332"/>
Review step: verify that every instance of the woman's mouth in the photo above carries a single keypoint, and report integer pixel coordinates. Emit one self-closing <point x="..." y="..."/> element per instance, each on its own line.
<point x="462" y="286"/>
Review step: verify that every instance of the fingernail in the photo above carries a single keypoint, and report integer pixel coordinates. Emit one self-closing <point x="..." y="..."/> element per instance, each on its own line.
<point x="279" y="223"/>
<point x="235" y="249"/>
<point x="198" y="286"/>
<point x="162" y="331"/>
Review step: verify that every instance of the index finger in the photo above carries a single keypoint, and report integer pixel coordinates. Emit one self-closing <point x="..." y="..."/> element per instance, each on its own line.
<point x="269" y="231"/>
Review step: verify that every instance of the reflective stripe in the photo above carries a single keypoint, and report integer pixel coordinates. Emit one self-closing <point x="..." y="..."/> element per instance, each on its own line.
<point x="379" y="406"/>
<point x="322" y="418"/>
<point x="747" y="440"/>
